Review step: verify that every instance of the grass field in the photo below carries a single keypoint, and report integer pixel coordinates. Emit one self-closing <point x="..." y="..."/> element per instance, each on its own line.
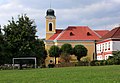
<point x="96" y="74"/>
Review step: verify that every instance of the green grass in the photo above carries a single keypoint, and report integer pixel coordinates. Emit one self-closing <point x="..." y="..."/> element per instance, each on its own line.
<point x="97" y="74"/>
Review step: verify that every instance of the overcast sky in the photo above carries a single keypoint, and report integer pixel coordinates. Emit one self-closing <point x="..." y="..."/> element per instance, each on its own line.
<point x="97" y="14"/>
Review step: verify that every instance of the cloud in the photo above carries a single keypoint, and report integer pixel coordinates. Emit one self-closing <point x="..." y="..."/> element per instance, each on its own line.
<point x="94" y="13"/>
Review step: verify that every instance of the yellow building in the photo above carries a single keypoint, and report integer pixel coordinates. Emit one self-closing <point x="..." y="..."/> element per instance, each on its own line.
<point x="73" y="35"/>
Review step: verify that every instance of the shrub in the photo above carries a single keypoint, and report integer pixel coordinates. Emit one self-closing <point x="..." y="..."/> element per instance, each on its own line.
<point x="51" y="65"/>
<point x="93" y="63"/>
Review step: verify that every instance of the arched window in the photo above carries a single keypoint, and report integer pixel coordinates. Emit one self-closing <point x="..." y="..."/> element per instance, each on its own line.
<point x="50" y="27"/>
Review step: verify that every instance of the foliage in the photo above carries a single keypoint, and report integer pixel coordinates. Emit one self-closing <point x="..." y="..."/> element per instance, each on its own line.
<point x="80" y="51"/>
<point x="40" y="52"/>
<point x="54" y="52"/>
<point x="4" y="58"/>
<point x="85" y="59"/>
<point x="92" y="63"/>
<point x="21" y="39"/>
<point x="115" y="59"/>
<point x="66" y="57"/>
<point x="99" y="63"/>
<point x="2" y="48"/>
<point x="66" y="50"/>
<point x="82" y="63"/>
<point x="51" y="65"/>
<point x="20" y="36"/>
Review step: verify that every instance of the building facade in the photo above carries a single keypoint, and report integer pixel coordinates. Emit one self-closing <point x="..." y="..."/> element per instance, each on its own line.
<point x="109" y="43"/>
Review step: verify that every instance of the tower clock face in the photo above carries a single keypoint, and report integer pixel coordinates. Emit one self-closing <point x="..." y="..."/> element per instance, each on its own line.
<point x="50" y="18"/>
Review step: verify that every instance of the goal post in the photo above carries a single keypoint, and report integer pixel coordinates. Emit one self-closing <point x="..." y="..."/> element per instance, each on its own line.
<point x="27" y="58"/>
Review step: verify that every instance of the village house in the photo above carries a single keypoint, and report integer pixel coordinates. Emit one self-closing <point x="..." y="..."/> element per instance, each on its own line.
<point x="108" y="44"/>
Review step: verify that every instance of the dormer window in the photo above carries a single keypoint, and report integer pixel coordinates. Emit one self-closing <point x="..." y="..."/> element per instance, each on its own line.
<point x="88" y="34"/>
<point x="50" y="27"/>
<point x="71" y="34"/>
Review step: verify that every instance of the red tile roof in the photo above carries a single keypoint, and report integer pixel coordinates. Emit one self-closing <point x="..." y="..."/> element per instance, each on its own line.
<point x="101" y="32"/>
<point x="114" y="33"/>
<point x="77" y="33"/>
<point x="58" y="31"/>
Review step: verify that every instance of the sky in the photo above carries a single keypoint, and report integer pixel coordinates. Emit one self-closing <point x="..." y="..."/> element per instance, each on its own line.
<point x="97" y="14"/>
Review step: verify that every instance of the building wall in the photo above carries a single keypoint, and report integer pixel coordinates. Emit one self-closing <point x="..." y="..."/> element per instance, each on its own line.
<point x="90" y="45"/>
<point x="116" y="45"/>
<point x="104" y="50"/>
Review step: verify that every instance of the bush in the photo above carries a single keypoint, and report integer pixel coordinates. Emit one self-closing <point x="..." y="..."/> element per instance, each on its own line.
<point x="82" y="63"/>
<point x="51" y="65"/>
<point x="5" y="67"/>
<point x="97" y="63"/>
<point x="93" y="63"/>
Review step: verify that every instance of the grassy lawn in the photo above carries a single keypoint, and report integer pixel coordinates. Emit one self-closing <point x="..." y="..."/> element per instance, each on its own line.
<point x="97" y="74"/>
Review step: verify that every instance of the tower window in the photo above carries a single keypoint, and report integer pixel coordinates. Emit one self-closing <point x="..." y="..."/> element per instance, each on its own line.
<point x="50" y="27"/>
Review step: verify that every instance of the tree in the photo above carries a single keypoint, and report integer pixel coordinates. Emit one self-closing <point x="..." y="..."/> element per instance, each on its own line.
<point x="67" y="50"/>
<point x="1" y="42"/>
<point x="40" y="51"/>
<point x="54" y="52"/>
<point x="2" y="57"/>
<point x="21" y="38"/>
<point x="80" y="51"/>
<point x="115" y="59"/>
<point x="20" y="35"/>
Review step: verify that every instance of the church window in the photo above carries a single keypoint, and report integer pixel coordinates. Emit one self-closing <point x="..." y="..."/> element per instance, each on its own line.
<point x="50" y="27"/>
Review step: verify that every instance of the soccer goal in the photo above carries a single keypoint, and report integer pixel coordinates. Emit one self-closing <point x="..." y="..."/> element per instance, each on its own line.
<point x="27" y="58"/>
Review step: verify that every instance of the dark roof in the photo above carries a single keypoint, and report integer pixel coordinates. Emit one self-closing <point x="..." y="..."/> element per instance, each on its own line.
<point x="114" y="33"/>
<point x="50" y="12"/>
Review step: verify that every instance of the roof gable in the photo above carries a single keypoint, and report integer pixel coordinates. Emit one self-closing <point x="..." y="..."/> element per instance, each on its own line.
<point x="114" y="33"/>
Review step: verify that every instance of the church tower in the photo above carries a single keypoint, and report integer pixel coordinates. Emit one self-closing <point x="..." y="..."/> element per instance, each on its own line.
<point x="50" y="23"/>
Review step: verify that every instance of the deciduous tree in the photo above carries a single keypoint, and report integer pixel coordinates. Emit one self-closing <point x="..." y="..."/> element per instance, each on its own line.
<point x="66" y="50"/>
<point x="80" y="51"/>
<point x="21" y="38"/>
<point x="54" y="52"/>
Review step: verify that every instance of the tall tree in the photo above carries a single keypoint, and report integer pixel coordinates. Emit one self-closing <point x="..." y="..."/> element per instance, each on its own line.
<point x="40" y="52"/>
<point x="80" y="51"/>
<point x="67" y="50"/>
<point x="21" y="38"/>
<point x="20" y="35"/>
<point x="54" y="52"/>
<point x="2" y="57"/>
<point x="1" y="41"/>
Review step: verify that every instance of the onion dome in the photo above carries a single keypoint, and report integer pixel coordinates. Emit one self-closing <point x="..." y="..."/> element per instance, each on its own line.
<point x="50" y="12"/>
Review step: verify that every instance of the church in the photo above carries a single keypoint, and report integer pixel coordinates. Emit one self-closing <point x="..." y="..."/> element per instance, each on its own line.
<point x="73" y="35"/>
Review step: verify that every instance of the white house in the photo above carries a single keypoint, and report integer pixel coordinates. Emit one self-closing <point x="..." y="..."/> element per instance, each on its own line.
<point x="108" y="44"/>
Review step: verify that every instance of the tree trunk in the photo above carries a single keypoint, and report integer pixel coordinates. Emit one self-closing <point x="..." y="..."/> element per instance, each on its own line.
<point x="55" y="60"/>
<point x="78" y="59"/>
